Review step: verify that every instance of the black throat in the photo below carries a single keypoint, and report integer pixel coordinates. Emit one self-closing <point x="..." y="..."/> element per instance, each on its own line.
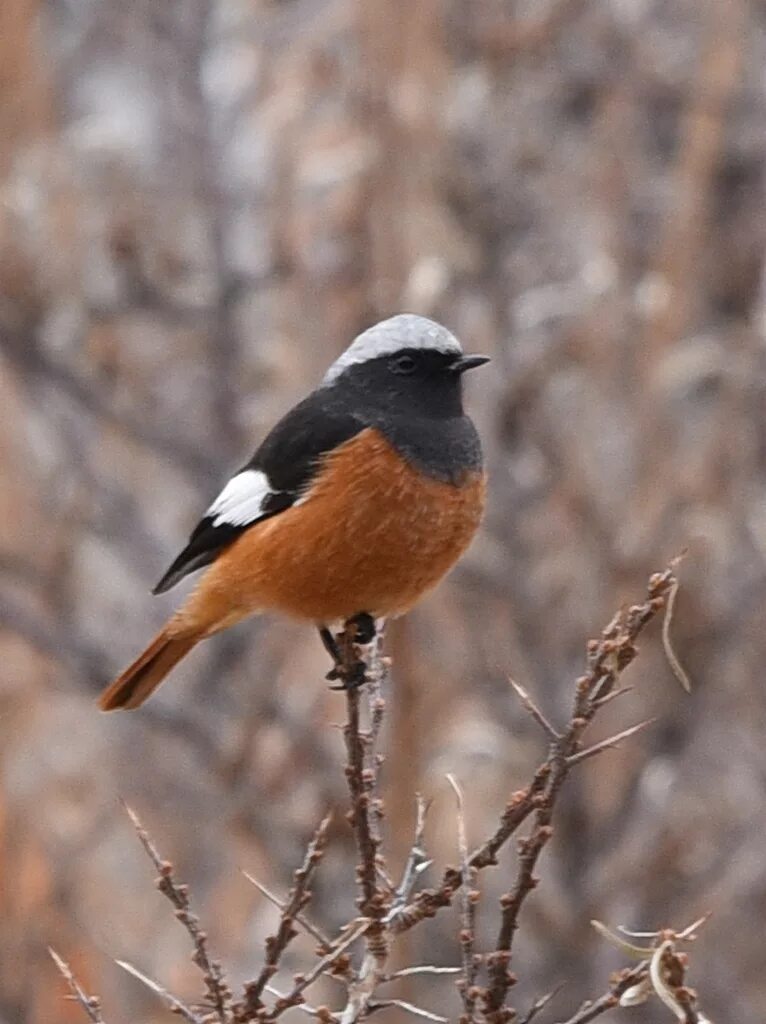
<point x="421" y="414"/>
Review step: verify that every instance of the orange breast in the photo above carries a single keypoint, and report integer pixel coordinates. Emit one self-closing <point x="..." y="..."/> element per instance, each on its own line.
<point x="373" y="534"/>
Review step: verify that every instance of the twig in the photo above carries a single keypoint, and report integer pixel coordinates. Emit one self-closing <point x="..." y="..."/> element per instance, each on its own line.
<point x="217" y="988"/>
<point x="625" y="980"/>
<point x="416" y="1011"/>
<point x="297" y="898"/>
<point x="661" y="972"/>
<point x="428" y="902"/>
<point x="607" y="658"/>
<point x="90" y="1004"/>
<point x="539" y="1004"/>
<point x="171" y="1001"/>
<point x="417" y="860"/>
<point x="294" y="997"/>
<point x="320" y="1012"/>
<point x="468" y="900"/>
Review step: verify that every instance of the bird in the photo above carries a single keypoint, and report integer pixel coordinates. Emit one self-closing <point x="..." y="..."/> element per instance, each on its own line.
<point x="355" y="505"/>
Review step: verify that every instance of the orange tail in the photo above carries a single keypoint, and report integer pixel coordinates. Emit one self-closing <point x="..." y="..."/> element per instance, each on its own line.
<point x="131" y="689"/>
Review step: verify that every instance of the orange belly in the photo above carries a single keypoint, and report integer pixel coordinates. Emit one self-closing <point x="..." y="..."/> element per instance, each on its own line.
<point x="372" y="535"/>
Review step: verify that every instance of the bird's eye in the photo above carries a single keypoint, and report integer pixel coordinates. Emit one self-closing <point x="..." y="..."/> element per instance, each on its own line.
<point x="403" y="364"/>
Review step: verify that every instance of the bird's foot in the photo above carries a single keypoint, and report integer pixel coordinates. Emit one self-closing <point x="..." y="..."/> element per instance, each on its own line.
<point x="351" y="678"/>
<point x="365" y="628"/>
<point x="352" y="674"/>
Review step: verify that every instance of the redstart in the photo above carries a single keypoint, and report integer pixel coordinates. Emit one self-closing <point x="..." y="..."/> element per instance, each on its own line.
<point x="356" y="504"/>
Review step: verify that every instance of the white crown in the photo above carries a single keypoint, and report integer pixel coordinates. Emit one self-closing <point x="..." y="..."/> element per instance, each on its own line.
<point x="407" y="330"/>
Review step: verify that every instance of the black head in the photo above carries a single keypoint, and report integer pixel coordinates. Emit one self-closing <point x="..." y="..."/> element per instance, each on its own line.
<point x="407" y="364"/>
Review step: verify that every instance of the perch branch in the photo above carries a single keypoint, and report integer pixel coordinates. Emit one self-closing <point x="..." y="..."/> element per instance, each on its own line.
<point x="468" y="900"/>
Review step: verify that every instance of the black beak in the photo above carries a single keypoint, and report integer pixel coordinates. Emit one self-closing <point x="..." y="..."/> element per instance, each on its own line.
<point x="468" y="363"/>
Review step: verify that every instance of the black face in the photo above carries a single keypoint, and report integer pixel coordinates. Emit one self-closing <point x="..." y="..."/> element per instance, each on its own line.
<point x="411" y="381"/>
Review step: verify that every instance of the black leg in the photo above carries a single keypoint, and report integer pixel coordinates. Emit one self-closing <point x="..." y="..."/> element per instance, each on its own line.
<point x="330" y="645"/>
<point x="328" y="640"/>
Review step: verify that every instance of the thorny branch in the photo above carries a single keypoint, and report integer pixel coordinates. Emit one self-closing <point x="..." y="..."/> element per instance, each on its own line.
<point x="298" y="898"/>
<point x="365" y="817"/>
<point x="622" y="982"/>
<point x="469" y="898"/>
<point x="218" y="991"/>
<point x="607" y="659"/>
<point x="90" y="1004"/>
<point x="387" y="910"/>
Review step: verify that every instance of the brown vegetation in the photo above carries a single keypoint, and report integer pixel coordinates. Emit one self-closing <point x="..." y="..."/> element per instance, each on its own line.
<point x="200" y="203"/>
<point x="386" y="910"/>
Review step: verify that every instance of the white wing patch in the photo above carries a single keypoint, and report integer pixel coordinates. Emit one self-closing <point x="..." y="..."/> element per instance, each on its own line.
<point x="241" y="500"/>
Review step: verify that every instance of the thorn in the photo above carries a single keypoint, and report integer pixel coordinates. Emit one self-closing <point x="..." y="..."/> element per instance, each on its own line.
<point x="608" y="744"/>
<point x="280" y="905"/>
<point x="406" y="972"/>
<point x="612" y="696"/>
<point x="539" y="1004"/>
<point x="170" y="1000"/>
<point x="529" y="705"/>
<point x="689" y="932"/>
<point x="417" y="1011"/>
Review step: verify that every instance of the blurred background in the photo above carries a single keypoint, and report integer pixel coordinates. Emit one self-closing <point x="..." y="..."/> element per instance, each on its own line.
<point x="201" y="203"/>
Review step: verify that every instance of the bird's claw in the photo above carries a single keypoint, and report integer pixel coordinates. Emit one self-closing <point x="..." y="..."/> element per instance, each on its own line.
<point x="351" y="678"/>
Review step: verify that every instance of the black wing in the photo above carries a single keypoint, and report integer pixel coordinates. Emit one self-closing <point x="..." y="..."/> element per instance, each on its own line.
<point x="273" y="480"/>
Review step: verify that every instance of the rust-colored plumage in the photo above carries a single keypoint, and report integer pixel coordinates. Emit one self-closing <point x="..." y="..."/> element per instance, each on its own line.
<point x="133" y="686"/>
<point x="372" y="534"/>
